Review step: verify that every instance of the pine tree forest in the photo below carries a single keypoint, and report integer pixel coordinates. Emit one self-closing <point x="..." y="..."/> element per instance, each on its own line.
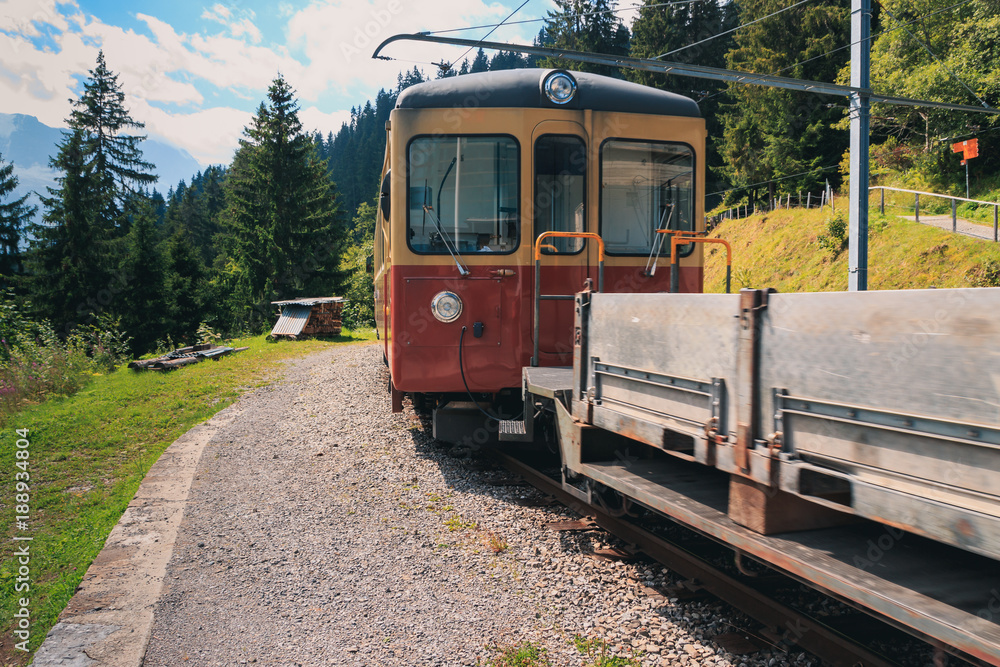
<point x="292" y="214"/>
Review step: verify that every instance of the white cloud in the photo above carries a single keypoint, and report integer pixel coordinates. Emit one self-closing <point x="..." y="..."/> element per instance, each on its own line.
<point x="338" y="37"/>
<point x="218" y="13"/>
<point x="210" y="136"/>
<point x="245" y="27"/>
<point x="40" y="82"/>
<point x="314" y="119"/>
<point x="169" y="76"/>
<point x="242" y="27"/>
<point x="24" y="16"/>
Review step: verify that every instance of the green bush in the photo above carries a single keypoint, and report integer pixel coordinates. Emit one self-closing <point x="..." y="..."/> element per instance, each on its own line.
<point x="358" y="315"/>
<point x="35" y="363"/>
<point x="105" y="342"/>
<point x="987" y="274"/>
<point x="835" y="239"/>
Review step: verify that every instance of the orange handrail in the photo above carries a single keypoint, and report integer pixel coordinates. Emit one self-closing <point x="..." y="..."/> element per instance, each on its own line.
<point x="586" y="235"/>
<point x="538" y="275"/>
<point x="681" y="239"/>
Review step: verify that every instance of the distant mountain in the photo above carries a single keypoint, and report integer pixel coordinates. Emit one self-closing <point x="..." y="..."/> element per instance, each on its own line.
<point x="29" y="144"/>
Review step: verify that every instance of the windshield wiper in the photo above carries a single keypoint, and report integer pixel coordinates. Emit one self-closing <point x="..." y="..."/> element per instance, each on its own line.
<point x="448" y="243"/>
<point x="654" y="251"/>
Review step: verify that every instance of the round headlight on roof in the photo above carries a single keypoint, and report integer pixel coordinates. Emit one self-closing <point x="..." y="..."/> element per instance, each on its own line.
<point x="446" y="306"/>
<point x="559" y="87"/>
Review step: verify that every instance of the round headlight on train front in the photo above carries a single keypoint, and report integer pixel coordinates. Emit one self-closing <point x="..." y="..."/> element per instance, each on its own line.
<point x="559" y="87"/>
<point x="446" y="306"/>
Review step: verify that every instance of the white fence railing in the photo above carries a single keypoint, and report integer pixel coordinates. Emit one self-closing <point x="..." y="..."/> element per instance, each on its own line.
<point x="801" y="200"/>
<point x="954" y="204"/>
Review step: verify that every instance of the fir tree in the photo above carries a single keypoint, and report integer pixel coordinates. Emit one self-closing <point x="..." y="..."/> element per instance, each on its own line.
<point x="113" y="152"/>
<point x="662" y="29"/>
<point x="72" y="258"/>
<point x="186" y="285"/>
<point x="769" y="133"/>
<point x="480" y="63"/>
<point x="282" y="223"/>
<point x="587" y="26"/>
<point x="508" y="60"/>
<point x="143" y="304"/>
<point x="14" y="216"/>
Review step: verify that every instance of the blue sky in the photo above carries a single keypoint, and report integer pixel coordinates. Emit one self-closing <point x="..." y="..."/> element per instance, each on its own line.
<point x="195" y="72"/>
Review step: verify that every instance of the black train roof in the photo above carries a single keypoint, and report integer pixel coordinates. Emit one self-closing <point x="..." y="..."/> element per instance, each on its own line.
<point x="523" y="88"/>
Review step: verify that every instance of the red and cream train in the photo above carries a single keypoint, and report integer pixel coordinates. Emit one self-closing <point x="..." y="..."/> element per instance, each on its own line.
<point x="476" y="168"/>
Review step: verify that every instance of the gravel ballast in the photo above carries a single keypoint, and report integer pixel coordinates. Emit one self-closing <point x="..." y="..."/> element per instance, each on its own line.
<point x="323" y="530"/>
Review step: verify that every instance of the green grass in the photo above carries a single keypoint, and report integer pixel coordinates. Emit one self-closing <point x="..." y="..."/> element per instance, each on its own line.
<point x="90" y="451"/>
<point x="456" y="522"/>
<point x="781" y="249"/>
<point x="521" y="655"/>
<point x="598" y="653"/>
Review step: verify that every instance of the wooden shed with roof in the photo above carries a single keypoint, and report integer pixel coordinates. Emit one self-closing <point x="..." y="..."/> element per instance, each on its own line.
<point x="308" y="317"/>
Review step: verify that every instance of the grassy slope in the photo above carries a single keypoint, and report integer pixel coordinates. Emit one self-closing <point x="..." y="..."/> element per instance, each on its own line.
<point x="780" y="249"/>
<point x="90" y="451"/>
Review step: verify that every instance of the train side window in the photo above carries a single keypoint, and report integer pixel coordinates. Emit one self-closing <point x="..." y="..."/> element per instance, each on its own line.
<point x="560" y="189"/>
<point x="384" y="200"/>
<point x="645" y="186"/>
<point x="462" y="194"/>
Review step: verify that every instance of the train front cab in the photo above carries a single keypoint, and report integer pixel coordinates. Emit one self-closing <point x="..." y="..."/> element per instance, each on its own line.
<point x="617" y="159"/>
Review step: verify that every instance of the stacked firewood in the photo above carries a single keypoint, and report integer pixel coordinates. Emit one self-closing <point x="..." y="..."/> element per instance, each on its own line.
<point x="324" y="319"/>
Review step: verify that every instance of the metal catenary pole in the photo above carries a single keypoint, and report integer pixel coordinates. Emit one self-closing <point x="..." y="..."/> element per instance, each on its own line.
<point x="861" y="14"/>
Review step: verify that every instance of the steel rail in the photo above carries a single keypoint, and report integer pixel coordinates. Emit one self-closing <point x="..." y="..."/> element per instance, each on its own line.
<point x="828" y="644"/>
<point x="683" y="69"/>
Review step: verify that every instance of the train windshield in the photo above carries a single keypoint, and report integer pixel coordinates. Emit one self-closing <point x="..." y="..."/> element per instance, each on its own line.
<point x="463" y="195"/>
<point x="645" y="186"/>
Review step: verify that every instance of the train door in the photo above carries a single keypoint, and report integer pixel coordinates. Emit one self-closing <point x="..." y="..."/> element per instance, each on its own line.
<point x="560" y="203"/>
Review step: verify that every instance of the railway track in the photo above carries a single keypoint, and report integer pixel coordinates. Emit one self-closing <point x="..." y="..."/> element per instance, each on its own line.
<point x="782" y="625"/>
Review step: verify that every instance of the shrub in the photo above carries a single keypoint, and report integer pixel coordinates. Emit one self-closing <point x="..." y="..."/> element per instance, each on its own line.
<point x="35" y="363"/>
<point x="207" y="335"/>
<point x="835" y="239"/>
<point x="357" y="315"/>
<point x="38" y="364"/>
<point x="105" y="342"/>
<point x="987" y="274"/>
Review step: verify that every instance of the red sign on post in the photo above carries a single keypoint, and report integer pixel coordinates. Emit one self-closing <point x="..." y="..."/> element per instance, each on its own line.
<point x="968" y="148"/>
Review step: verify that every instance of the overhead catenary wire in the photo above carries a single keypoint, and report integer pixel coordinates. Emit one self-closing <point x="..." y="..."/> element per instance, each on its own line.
<point x="819" y="170"/>
<point x="722" y="34"/>
<point x="847" y="46"/>
<point x="936" y="59"/>
<point x="630" y="8"/>
<point x="682" y="69"/>
<point x="488" y="34"/>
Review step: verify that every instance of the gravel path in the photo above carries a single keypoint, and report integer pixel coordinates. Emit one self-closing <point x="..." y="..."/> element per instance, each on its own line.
<point x="979" y="230"/>
<point x="323" y="530"/>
